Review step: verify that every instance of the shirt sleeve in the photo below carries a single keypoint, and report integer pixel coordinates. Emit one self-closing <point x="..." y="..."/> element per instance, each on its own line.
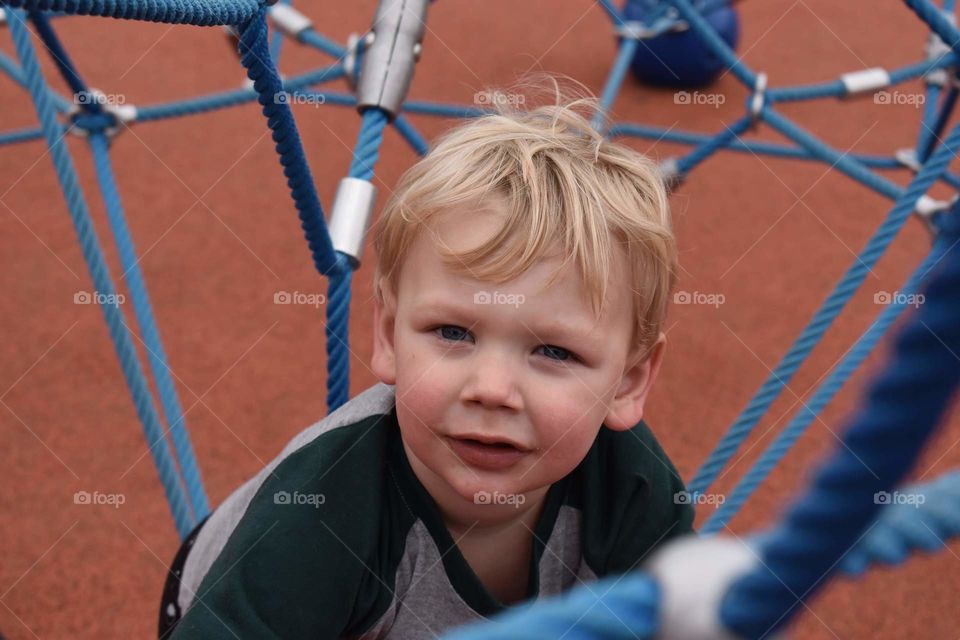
<point x="292" y="568"/>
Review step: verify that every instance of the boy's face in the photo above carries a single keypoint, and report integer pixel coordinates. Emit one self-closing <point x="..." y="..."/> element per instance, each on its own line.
<point x="514" y="362"/>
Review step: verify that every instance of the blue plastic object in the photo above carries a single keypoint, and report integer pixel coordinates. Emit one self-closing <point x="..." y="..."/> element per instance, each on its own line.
<point x="679" y="58"/>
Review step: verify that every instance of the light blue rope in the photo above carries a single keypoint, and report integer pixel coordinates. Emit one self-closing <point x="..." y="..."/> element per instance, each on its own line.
<point x="156" y="355"/>
<point x="919" y="517"/>
<point x="825" y="393"/>
<point x="612" y="608"/>
<point x="625" y="54"/>
<point x="824" y="316"/>
<point x="93" y="256"/>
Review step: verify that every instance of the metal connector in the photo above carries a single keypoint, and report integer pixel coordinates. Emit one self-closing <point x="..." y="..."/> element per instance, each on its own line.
<point x="388" y="61"/>
<point x="351" y="214"/>
<point x="864" y="81"/>
<point x="288" y="20"/>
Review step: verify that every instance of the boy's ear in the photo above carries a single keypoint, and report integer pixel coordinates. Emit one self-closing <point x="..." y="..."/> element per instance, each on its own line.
<point x="384" y="362"/>
<point x="626" y="407"/>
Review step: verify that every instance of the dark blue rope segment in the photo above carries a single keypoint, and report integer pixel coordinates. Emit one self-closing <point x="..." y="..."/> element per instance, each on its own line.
<point x="201" y="13"/>
<point x="255" y="57"/>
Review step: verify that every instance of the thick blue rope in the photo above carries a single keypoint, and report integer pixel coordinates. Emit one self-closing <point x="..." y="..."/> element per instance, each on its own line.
<point x="367" y="150"/>
<point x="156" y="354"/>
<point x="902" y="408"/>
<point x="614" y="608"/>
<point x="920" y="517"/>
<point x="255" y="56"/>
<point x="93" y="255"/>
<point x="62" y="61"/>
<point x="825" y="393"/>
<point x="365" y="157"/>
<point x="825" y="315"/>
<point x="202" y="13"/>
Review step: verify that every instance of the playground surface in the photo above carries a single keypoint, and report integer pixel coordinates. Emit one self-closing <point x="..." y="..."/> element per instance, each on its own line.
<point x="219" y="239"/>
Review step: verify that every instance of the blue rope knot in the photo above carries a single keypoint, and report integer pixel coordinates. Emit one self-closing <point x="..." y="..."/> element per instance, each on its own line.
<point x="84" y="123"/>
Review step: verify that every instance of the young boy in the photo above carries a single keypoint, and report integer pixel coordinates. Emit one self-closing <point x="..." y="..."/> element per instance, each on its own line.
<point x="524" y="267"/>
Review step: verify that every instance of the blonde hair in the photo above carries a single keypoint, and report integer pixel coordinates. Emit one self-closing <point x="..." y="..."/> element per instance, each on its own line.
<point x="567" y="191"/>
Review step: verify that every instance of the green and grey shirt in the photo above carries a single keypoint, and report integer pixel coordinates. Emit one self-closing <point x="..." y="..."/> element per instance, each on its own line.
<point x="336" y="537"/>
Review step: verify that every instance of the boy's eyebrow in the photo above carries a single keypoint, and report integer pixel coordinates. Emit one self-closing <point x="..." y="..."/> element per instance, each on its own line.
<point x="550" y="327"/>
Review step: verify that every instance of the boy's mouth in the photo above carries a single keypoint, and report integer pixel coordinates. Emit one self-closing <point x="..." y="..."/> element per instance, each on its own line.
<point x="492" y="456"/>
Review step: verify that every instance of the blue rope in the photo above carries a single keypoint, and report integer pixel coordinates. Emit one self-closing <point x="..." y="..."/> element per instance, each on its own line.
<point x="156" y="355"/>
<point x="319" y="42"/>
<point x="625" y="54"/>
<point x="613" y="608"/>
<point x="255" y="57"/>
<point x="918" y="517"/>
<point x="93" y="255"/>
<point x="201" y="13"/>
<point x="946" y="110"/>
<point x="713" y="40"/>
<point x="231" y="98"/>
<point x="709" y="146"/>
<point x="411" y="135"/>
<point x="927" y="122"/>
<point x="824" y="316"/>
<point x="937" y="21"/>
<point x="902" y="409"/>
<point x="338" y="300"/>
<point x="843" y="162"/>
<point x="367" y="149"/>
<point x="11" y="68"/>
<point x="825" y="393"/>
<point x="62" y="61"/>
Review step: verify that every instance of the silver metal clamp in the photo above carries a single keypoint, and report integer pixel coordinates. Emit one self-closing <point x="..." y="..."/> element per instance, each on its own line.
<point x="350" y="217"/>
<point x="393" y="47"/>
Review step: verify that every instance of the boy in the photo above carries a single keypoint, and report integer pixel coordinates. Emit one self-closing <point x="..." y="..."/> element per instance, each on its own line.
<point x="524" y="267"/>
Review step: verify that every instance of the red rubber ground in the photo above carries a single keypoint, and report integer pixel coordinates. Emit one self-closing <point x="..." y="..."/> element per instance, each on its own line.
<point x="218" y="237"/>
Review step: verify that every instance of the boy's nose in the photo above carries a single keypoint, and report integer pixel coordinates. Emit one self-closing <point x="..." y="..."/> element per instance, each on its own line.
<point x="491" y="383"/>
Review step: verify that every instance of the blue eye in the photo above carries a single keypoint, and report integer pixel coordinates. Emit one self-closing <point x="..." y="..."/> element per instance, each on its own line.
<point x="452" y="332"/>
<point x="557" y="353"/>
